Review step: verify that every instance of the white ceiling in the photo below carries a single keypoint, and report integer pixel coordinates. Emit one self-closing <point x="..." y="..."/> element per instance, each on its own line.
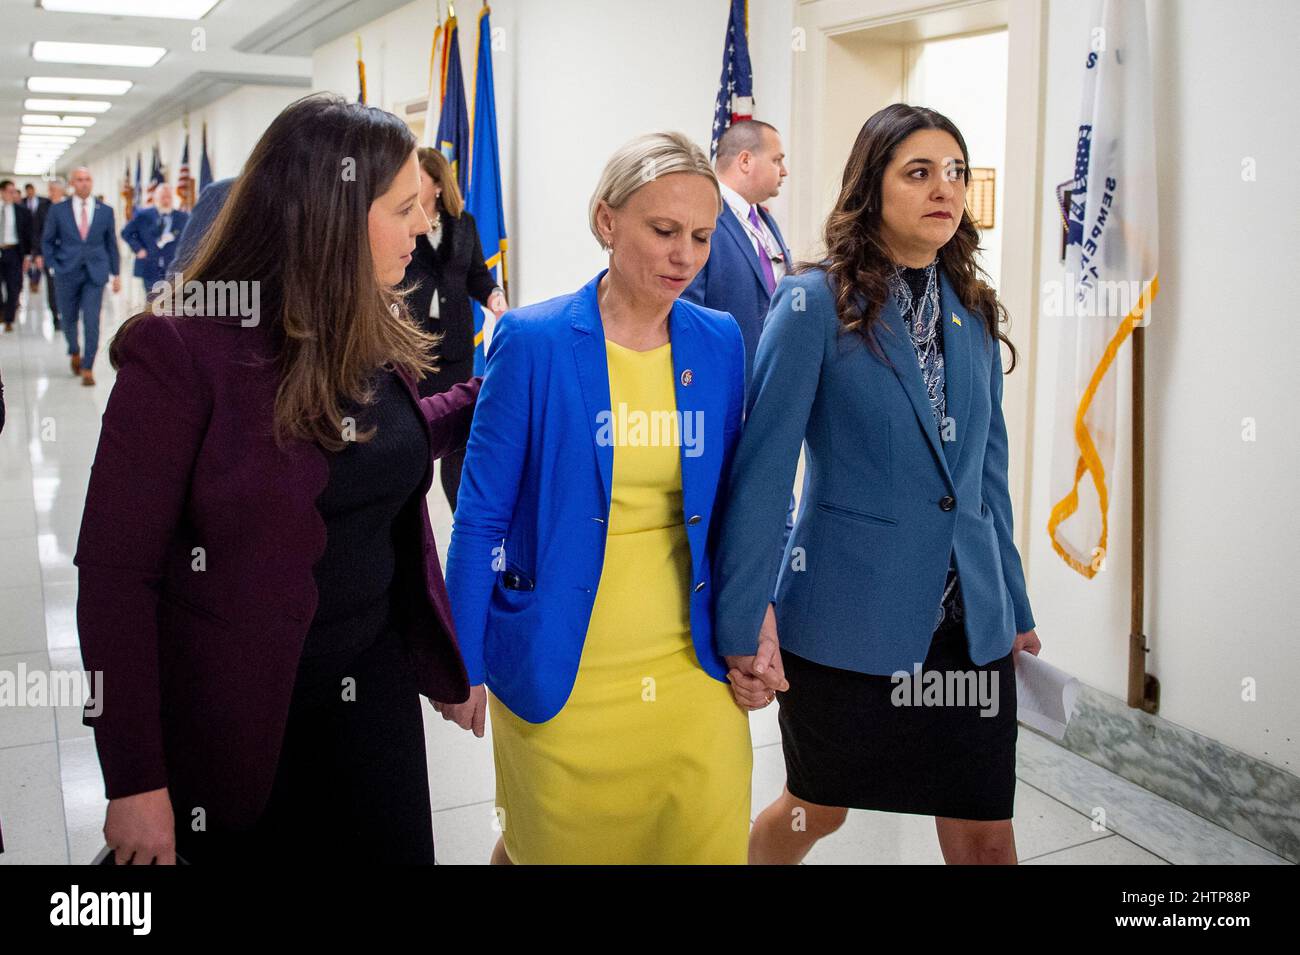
<point x="247" y="42"/>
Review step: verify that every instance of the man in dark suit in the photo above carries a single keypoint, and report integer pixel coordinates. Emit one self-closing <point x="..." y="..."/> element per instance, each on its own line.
<point x="15" y="248"/>
<point x="152" y="235"/>
<point x="58" y="191"/>
<point x="80" y="246"/>
<point x="749" y="254"/>
<point x="36" y="206"/>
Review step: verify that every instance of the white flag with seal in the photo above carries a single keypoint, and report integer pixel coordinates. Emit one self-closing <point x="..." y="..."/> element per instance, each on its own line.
<point x="1110" y="274"/>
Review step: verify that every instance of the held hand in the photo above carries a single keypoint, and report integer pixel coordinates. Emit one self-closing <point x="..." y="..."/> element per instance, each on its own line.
<point x="142" y="254"/>
<point x="39" y="261"/>
<point x="497" y="303"/>
<point x="1027" y="641"/>
<point x="140" y="829"/>
<point x="756" y="679"/>
<point x="469" y="715"/>
<point x="117" y="284"/>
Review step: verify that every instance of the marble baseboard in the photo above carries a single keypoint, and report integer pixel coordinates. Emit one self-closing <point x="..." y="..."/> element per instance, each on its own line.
<point x="1246" y="796"/>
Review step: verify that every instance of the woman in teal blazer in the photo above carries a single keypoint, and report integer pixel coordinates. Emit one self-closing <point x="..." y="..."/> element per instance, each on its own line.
<point x="885" y="359"/>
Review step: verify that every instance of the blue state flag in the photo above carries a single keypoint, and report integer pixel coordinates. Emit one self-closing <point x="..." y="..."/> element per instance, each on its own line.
<point x="484" y="201"/>
<point x="453" y="124"/>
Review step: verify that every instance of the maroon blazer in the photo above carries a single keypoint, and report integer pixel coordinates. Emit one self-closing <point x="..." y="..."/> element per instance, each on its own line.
<point x="199" y="649"/>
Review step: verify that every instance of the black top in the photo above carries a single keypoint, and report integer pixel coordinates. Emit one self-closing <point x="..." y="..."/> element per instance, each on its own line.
<point x="369" y="485"/>
<point x="455" y="272"/>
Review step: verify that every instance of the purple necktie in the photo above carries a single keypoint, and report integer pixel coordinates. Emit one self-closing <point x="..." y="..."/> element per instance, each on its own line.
<point x="765" y="260"/>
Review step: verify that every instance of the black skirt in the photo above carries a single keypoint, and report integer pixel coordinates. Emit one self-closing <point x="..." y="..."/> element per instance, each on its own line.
<point x="916" y="745"/>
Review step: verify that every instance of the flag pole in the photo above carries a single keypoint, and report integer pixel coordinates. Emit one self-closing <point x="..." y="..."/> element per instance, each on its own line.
<point x="1143" y="687"/>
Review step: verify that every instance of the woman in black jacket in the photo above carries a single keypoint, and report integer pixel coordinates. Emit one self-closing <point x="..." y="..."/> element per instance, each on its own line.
<point x="445" y="271"/>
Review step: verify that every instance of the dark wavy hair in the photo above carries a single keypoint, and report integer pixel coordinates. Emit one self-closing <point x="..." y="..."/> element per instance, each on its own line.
<point x="857" y="262"/>
<point x="298" y="225"/>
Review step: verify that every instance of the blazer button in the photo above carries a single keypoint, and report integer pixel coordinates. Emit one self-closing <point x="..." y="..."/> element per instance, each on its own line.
<point x="694" y="519"/>
<point x="947" y="503"/>
<point x="699" y="586"/>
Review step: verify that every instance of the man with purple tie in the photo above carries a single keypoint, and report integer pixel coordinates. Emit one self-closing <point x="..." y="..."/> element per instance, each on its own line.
<point x="749" y="255"/>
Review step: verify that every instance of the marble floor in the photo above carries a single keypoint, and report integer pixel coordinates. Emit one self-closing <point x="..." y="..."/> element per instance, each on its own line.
<point x="51" y="795"/>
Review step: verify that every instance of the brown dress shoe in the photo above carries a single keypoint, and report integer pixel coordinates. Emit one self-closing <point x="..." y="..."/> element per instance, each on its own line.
<point x="87" y="379"/>
<point x="75" y="362"/>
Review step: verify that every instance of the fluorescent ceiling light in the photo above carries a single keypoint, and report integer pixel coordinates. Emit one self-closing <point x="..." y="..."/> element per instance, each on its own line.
<point x="96" y="54"/>
<point x="75" y="85"/>
<point x="63" y="132"/>
<point x="67" y="105"/>
<point x="49" y="119"/>
<point x="170" y="9"/>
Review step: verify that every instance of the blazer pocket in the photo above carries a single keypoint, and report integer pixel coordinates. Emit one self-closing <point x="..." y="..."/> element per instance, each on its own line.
<point x="512" y="578"/>
<point x="856" y="515"/>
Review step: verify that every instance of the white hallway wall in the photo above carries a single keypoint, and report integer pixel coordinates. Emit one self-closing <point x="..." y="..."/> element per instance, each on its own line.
<point x="574" y="80"/>
<point x="1222" y="523"/>
<point x="235" y="122"/>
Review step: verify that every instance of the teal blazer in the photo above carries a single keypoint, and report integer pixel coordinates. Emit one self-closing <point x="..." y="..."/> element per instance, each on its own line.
<point x="528" y="543"/>
<point x="886" y="500"/>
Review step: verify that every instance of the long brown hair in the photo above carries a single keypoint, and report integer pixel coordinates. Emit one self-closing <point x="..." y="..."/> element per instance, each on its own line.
<point x="857" y="261"/>
<point x="437" y="168"/>
<point x="296" y="222"/>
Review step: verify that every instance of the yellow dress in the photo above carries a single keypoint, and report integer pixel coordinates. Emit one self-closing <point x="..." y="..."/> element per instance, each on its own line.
<point x="650" y="759"/>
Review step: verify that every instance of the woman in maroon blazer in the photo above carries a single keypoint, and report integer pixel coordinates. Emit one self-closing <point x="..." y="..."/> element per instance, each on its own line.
<point x="258" y="579"/>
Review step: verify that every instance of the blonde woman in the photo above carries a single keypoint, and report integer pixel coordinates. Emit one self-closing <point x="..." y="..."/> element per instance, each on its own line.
<point x="580" y="559"/>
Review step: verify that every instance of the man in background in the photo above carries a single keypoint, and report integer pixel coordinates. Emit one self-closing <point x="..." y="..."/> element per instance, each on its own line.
<point x="15" y="249"/>
<point x="749" y="255"/>
<point x="80" y="246"/>
<point x="153" y="236"/>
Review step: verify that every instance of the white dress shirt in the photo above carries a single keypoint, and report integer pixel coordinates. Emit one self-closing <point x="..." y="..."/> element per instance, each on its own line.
<point x="9" y="229"/>
<point x="77" y="203"/>
<point x="762" y="237"/>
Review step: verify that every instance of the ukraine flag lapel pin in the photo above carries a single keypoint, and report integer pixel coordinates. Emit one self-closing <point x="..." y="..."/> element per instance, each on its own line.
<point x="955" y="320"/>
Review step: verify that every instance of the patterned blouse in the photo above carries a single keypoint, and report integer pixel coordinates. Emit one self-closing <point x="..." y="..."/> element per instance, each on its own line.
<point x="916" y="294"/>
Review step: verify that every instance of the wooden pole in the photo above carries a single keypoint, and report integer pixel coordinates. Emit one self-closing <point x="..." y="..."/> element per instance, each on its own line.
<point x="1143" y="688"/>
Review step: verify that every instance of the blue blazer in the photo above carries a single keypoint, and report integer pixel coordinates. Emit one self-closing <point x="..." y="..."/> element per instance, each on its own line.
<point x="143" y="232"/>
<point x="528" y="542"/>
<point x="732" y="280"/>
<point x="886" y="501"/>
<point x="65" y="252"/>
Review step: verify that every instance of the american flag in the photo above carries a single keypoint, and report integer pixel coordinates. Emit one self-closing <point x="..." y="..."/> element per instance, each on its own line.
<point x="736" y="88"/>
<point x="184" y="184"/>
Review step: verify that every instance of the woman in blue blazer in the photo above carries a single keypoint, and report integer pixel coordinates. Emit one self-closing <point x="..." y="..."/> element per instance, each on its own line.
<point x="580" y="561"/>
<point x="901" y="595"/>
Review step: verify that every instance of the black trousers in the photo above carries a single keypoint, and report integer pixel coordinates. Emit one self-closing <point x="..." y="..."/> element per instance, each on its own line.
<point x="11" y="277"/>
<point x="352" y="783"/>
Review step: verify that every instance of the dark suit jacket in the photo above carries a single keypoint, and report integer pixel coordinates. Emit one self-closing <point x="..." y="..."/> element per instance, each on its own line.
<point x="210" y="203"/>
<point x="23" y="226"/>
<point x="732" y="279"/>
<point x="144" y="232"/>
<point x="43" y="207"/>
<point x="456" y="271"/>
<point x="66" y="252"/>
<point x="199" y="665"/>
